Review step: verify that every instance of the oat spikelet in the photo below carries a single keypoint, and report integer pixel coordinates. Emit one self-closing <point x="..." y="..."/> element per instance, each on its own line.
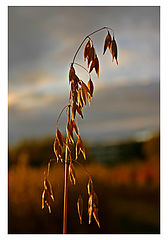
<point x="57" y="150"/>
<point x="60" y="137"/>
<point x="107" y="42"/>
<point x="90" y="87"/>
<point x="91" y="55"/>
<point x="70" y="131"/>
<point x="72" y="174"/>
<point x="47" y="194"/>
<point x="95" y="215"/>
<point x="90" y="186"/>
<point x="92" y="203"/>
<point x="79" y="111"/>
<point x="79" y="98"/>
<point x="42" y="202"/>
<point x="48" y="187"/>
<point x="86" y="50"/>
<point x="113" y="49"/>
<point x="74" y="128"/>
<point x="83" y="96"/>
<point x="80" y="208"/>
<point x="90" y="208"/>
<point x="80" y="148"/>
<point x="46" y="200"/>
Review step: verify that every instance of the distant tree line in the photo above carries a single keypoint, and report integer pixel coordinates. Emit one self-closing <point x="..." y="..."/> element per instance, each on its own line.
<point x="39" y="152"/>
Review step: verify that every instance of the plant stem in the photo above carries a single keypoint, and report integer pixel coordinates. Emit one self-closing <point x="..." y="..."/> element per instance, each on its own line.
<point x="82" y="67"/>
<point x="65" y="197"/>
<point x="66" y="182"/>
<point x="60" y="116"/>
<point x="67" y="139"/>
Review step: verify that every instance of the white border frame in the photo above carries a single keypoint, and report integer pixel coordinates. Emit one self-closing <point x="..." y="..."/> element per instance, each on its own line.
<point x="4" y="116"/>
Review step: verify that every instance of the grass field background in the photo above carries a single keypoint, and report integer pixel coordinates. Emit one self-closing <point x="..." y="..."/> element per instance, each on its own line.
<point x="128" y="193"/>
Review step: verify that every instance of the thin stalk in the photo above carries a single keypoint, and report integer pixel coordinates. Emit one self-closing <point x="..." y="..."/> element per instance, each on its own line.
<point x="60" y="115"/>
<point x="67" y="139"/>
<point x="66" y="182"/>
<point x="83" y="68"/>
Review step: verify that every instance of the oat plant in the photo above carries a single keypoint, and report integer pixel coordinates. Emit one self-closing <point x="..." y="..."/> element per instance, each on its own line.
<point x="66" y="149"/>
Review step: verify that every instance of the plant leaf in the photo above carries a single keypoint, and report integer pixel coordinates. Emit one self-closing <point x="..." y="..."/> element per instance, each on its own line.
<point x="80" y="207"/>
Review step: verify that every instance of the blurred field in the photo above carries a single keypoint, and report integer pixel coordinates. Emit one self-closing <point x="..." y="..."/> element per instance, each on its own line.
<point x="128" y="198"/>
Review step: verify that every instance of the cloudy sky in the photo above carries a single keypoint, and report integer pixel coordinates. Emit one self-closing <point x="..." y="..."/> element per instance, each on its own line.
<point x="42" y="43"/>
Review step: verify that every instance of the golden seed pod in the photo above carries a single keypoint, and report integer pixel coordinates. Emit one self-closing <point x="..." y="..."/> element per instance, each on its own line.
<point x="79" y="111"/>
<point x="60" y="137"/>
<point x="80" y="148"/>
<point x="107" y="42"/>
<point x="113" y="50"/>
<point x="90" y="87"/>
<point x="90" y="186"/>
<point x="72" y="174"/>
<point x="80" y="208"/>
<point x="86" y="50"/>
<point x="48" y="187"/>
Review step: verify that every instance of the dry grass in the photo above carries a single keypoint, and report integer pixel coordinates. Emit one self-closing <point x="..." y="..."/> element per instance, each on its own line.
<point x="128" y="199"/>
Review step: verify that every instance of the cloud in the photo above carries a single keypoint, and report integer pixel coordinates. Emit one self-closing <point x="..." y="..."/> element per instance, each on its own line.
<point x="28" y="100"/>
<point x="43" y="40"/>
<point x="42" y="43"/>
<point x="114" y="111"/>
<point x="123" y="124"/>
<point x="37" y="32"/>
<point x="28" y="77"/>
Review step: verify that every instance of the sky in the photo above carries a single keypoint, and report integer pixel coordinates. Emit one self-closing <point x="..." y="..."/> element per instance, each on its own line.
<point x="42" y="43"/>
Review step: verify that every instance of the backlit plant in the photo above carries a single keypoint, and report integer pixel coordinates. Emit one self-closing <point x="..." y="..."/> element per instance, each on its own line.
<point x="80" y="93"/>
